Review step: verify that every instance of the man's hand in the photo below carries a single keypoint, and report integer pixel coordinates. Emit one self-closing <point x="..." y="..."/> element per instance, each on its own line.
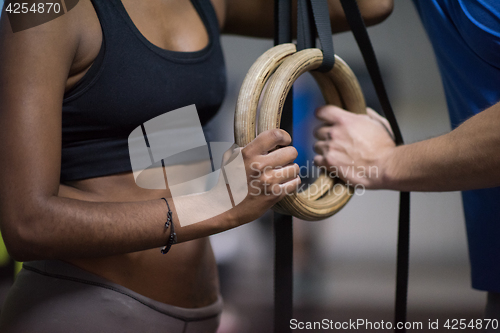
<point x="353" y="147"/>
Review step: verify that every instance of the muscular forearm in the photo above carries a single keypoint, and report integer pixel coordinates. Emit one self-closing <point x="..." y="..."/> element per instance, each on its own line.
<point x="466" y="158"/>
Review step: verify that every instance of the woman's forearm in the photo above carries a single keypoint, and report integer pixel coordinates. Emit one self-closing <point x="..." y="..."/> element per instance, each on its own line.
<point x="69" y="228"/>
<point x="39" y="225"/>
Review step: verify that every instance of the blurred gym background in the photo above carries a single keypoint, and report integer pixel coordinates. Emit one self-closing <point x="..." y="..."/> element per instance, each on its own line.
<point x="345" y="265"/>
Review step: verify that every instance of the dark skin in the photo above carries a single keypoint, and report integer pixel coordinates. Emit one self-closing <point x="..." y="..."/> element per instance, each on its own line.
<point x="108" y="225"/>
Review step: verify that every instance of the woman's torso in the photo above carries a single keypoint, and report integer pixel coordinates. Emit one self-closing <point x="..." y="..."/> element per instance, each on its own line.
<point x="187" y="275"/>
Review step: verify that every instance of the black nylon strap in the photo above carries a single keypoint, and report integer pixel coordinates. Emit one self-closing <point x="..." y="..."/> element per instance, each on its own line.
<point x="324" y="29"/>
<point x="283" y="227"/>
<point x="306" y="30"/>
<point x="283" y="272"/>
<point x="282" y="21"/>
<point x="313" y="17"/>
<point x="358" y="28"/>
<point x="403" y="260"/>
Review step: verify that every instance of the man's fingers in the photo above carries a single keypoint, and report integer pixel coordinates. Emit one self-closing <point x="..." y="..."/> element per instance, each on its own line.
<point x="331" y="114"/>
<point x="320" y="146"/>
<point x="323" y="133"/>
<point x="267" y="141"/>
<point x="373" y="114"/>
<point x="319" y="160"/>
<point x="334" y="163"/>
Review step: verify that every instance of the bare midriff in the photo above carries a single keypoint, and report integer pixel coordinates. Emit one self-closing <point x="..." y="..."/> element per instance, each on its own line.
<point x="186" y="276"/>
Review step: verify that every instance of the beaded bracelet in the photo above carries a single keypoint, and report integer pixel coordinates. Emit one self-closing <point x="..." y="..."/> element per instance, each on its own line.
<point x="172" y="239"/>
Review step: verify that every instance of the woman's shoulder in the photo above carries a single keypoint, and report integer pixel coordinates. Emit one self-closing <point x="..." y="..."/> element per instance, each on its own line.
<point x="69" y="38"/>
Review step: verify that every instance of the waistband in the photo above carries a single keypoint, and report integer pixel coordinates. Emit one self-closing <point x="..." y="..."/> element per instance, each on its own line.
<point x="62" y="270"/>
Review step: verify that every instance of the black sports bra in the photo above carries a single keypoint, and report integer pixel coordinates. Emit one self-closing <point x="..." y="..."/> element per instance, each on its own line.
<point x="130" y="82"/>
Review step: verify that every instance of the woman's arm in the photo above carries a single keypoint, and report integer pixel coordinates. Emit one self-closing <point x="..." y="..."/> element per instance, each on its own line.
<point x="466" y="158"/>
<point x="35" y="222"/>
<point x="256" y="17"/>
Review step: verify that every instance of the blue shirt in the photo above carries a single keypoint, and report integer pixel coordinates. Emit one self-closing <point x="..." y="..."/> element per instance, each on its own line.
<point x="466" y="39"/>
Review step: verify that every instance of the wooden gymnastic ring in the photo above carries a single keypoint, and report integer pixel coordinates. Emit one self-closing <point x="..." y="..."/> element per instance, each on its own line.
<point x="251" y="89"/>
<point x="327" y="200"/>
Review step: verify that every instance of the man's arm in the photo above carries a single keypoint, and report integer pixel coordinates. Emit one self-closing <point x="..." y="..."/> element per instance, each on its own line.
<point x="466" y="158"/>
<point x="255" y="18"/>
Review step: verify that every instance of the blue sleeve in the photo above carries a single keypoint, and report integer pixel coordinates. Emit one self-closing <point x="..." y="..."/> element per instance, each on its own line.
<point x="478" y="22"/>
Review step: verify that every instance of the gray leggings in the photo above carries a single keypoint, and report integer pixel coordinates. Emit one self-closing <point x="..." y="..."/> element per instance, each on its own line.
<point x="54" y="296"/>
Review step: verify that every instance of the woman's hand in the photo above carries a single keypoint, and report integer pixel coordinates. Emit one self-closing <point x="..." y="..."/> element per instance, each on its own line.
<point x="271" y="173"/>
<point x="354" y="147"/>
